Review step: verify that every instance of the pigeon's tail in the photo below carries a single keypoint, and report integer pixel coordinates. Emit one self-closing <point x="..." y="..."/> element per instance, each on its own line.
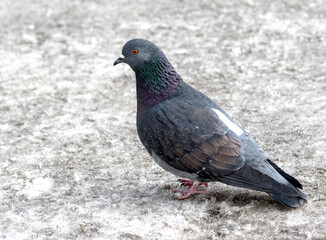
<point x="274" y="181"/>
<point x="289" y="201"/>
<point x="288" y="177"/>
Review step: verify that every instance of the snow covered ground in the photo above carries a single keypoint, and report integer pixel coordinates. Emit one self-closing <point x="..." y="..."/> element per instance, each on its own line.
<point x="71" y="164"/>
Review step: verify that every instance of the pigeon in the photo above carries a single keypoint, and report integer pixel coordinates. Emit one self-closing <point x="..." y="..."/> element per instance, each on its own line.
<point x="189" y="135"/>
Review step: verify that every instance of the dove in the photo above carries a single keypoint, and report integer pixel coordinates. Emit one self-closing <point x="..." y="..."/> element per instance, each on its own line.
<point x="189" y="135"/>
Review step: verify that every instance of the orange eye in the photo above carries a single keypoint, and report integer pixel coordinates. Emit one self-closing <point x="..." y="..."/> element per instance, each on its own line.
<point x="135" y="51"/>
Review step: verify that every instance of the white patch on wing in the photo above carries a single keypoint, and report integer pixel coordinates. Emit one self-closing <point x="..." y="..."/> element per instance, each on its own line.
<point x="231" y="125"/>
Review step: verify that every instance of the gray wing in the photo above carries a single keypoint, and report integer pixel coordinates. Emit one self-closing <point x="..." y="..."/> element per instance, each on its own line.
<point x="191" y="139"/>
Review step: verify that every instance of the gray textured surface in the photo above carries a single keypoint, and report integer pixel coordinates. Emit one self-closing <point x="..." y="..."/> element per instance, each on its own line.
<point x="72" y="166"/>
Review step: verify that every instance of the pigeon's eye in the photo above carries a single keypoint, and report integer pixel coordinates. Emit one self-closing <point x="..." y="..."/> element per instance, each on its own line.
<point x="135" y="51"/>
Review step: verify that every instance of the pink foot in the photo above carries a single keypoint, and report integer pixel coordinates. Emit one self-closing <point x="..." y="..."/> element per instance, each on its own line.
<point x="192" y="188"/>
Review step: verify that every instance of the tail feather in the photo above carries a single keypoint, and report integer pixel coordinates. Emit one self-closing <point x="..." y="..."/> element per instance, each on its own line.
<point x="248" y="177"/>
<point x="288" y="177"/>
<point x="291" y="202"/>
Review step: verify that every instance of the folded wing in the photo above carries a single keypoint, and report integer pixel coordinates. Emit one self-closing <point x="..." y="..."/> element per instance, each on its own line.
<point x="192" y="139"/>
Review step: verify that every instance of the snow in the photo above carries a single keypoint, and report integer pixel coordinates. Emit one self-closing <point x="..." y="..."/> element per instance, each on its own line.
<point x="72" y="166"/>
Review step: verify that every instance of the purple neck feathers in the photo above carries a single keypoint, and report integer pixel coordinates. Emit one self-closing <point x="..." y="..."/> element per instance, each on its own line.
<point x="156" y="81"/>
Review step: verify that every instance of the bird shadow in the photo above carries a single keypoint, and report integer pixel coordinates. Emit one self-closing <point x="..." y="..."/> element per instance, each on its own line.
<point x="244" y="198"/>
<point x="251" y="198"/>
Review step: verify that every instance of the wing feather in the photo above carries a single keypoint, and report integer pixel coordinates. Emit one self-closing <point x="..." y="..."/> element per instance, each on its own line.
<point x="191" y="139"/>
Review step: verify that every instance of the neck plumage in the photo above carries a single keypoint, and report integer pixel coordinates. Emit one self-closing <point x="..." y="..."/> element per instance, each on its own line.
<point x="156" y="81"/>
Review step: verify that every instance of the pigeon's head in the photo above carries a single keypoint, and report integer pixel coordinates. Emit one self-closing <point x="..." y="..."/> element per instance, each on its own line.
<point x="136" y="52"/>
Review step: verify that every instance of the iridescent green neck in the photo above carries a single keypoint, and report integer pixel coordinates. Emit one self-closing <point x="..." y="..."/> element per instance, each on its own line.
<point x="156" y="81"/>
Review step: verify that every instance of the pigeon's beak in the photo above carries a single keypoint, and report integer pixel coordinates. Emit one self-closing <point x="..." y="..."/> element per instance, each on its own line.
<point x="119" y="60"/>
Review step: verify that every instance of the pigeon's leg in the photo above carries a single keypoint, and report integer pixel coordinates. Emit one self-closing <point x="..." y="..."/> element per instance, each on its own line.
<point x="192" y="188"/>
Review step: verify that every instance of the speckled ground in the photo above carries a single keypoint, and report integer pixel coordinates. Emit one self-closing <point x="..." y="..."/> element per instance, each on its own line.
<point x="72" y="166"/>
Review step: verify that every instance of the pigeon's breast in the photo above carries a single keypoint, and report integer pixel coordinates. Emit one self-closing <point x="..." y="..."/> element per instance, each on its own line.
<point x="171" y="169"/>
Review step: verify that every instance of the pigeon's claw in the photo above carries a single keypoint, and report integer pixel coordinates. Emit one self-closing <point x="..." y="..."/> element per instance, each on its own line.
<point x="192" y="188"/>
<point x="186" y="182"/>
